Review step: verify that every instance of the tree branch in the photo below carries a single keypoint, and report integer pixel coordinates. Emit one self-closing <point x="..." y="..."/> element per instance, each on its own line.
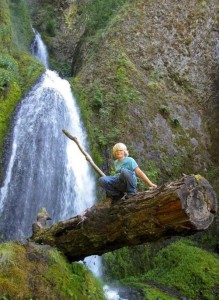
<point x="87" y="156"/>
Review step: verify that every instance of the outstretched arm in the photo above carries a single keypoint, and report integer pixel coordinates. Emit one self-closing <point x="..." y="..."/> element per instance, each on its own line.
<point x="144" y="177"/>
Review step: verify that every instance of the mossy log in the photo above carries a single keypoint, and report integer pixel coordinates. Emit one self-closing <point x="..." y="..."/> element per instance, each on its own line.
<point x="178" y="208"/>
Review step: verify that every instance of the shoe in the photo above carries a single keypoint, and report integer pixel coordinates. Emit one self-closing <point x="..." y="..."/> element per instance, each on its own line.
<point x="129" y="195"/>
<point x="117" y="197"/>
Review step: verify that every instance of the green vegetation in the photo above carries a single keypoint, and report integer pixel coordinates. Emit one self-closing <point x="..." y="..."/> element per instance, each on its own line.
<point x="27" y="271"/>
<point x="105" y="102"/>
<point x="5" y="27"/>
<point x="152" y="172"/>
<point x="17" y="75"/>
<point x="126" y="262"/>
<point x="18" y="69"/>
<point x="121" y="92"/>
<point x="22" y="33"/>
<point x="179" y="269"/>
<point x="99" y="12"/>
<point x="193" y="271"/>
<point x="15" y="26"/>
<point x="165" y="112"/>
<point x="51" y="26"/>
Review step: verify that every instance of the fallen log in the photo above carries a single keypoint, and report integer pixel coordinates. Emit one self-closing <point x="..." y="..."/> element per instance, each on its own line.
<point x="178" y="208"/>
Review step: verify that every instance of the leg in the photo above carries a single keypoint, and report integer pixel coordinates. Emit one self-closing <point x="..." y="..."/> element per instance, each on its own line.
<point x="128" y="181"/>
<point x="110" y="185"/>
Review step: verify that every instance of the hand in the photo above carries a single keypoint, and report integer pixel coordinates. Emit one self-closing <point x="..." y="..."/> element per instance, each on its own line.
<point x="154" y="186"/>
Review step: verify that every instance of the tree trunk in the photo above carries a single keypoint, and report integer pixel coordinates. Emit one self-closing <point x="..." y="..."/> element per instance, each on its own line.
<point x="178" y="208"/>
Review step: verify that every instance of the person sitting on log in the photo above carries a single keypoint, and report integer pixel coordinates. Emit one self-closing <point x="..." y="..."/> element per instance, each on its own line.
<point x="124" y="183"/>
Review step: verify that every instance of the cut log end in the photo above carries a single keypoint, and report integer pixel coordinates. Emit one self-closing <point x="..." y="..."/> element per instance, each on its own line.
<point x="199" y="201"/>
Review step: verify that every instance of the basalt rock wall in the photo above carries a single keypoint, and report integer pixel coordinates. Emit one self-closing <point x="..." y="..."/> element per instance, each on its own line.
<point x="148" y="78"/>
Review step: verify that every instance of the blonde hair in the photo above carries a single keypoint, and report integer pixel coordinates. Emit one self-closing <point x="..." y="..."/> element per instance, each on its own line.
<point x="120" y="146"/>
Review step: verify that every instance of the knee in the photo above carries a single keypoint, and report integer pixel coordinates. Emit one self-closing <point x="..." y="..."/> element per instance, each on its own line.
<point x="125" y="173"/>
<point x="101" y="180"/>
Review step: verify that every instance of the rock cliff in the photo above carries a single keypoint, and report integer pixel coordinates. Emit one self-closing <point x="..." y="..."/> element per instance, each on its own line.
<point x="148" y="77"/>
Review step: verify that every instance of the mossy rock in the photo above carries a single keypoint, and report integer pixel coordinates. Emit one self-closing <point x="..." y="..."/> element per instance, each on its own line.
<point x="30" y="271"/>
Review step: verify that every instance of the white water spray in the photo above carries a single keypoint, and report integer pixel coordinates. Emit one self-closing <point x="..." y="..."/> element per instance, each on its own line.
<point x="45" y="168"/>
<point x="39" y="50"/>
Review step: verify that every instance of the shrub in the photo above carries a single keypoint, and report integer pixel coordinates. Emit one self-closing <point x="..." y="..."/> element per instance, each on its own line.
<point x="8" y="71"/>
<point x="9" y="63"/>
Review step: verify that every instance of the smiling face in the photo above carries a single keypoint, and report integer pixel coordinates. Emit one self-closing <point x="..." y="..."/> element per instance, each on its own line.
<point x="120" y="154"/>
<point x="120" y="151"/>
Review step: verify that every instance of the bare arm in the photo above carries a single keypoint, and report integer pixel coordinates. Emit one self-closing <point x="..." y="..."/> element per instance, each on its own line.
<point x="144" y="177"/>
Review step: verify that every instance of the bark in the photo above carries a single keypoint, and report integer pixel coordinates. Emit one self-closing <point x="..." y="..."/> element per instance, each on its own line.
<point x="178" y="208"/>
<point x="87" y="156"/>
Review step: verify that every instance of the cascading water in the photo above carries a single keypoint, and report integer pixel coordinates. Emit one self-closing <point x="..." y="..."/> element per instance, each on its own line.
<point x="38" y="49"/>
<point x="45" y="168"/>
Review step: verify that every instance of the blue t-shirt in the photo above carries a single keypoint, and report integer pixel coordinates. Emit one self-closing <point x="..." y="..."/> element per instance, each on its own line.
<point x="127" y="163"/>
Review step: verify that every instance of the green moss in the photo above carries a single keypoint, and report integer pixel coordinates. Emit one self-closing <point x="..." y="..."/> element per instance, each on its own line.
<point x="51" y="27"/>
<point x="8" y="103"/>
<point x="5" y="27"/>
<point x="151" y="292"/>
<point x="73" y="280"/>
<point x="17" y="75"/>
<point x="13" y="278"/>
<point x="166" y="113"/>
<point x="71" y="14"/>
<point x="107" y="103"/>
<point x="198" y="177"/>
<point x="22" y="32"/>
<point x="193" y="271"/>
<point x="27" y="271"/>
<point x="181" y="269"/>
<point x="9" y="63"/>
<point x="125" y="90"/>
<point x="98" y="13"/>
<point x="29" y="70"/>
<point x="18" y="70"/>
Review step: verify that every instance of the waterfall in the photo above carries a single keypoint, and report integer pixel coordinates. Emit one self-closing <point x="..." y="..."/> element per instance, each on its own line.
<point x="46" y="169"/>
<point x="39" y="50"/>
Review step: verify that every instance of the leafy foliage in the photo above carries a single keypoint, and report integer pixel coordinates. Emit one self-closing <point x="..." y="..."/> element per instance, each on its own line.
<point x="9" y="63"/>
<point x="51" y="27"/>
<point x="8" y="71"/>
<point x="119" y="264"/>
